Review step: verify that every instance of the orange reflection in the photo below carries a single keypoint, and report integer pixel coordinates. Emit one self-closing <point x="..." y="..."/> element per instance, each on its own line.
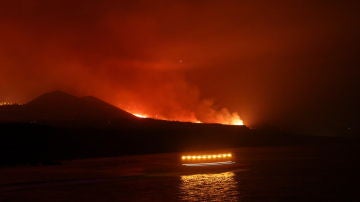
<point x="209" y="187"/>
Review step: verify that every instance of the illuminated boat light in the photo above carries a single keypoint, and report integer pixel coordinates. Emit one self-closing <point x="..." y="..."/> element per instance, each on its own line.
<point x="209" y="164"/>
<point x="217" y="159"/>
<point x="207" y="157"/>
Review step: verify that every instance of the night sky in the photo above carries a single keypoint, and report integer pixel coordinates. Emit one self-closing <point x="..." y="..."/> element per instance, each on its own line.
<point x="292" y="64"/>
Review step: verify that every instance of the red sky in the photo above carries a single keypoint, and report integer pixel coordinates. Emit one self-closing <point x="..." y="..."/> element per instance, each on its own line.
<point x="288" y="63"/>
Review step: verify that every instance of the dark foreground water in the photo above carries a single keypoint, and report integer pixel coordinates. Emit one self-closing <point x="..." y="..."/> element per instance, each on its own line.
<point x="316" y="173"/>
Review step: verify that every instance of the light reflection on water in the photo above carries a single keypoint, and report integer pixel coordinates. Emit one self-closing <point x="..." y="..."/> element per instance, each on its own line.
<point x="209" y="187"/>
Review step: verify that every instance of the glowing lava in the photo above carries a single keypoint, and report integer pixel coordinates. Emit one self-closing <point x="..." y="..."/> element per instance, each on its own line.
<point x="234" y="119"/>
<point x="214" y="117"/>
<point x="140" y="116"/>
<point x="237" y="121"/>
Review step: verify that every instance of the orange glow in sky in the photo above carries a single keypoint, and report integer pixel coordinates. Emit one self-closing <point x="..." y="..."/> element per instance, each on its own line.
<point x="269" y="62"/>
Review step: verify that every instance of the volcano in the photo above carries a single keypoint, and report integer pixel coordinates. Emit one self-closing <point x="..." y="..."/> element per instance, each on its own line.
<point x="58" y="106"/>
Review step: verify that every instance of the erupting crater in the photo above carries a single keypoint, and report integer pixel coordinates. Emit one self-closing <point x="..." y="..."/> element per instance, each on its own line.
<point x="234" y="120"/>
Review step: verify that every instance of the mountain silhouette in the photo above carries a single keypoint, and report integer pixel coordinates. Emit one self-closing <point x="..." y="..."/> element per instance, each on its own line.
<point x="60" y="106"/>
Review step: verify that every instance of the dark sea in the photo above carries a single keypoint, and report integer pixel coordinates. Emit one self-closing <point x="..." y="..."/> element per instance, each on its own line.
<point x="298" y="173"/>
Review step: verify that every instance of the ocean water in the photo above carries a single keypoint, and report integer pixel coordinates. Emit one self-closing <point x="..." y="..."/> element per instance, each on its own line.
<point x="317" y="173"/>
<point x="215" y="186"/>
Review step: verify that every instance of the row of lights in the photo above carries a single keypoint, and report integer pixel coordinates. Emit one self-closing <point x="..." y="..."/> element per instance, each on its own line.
<point x="6" y="103"/>
<point x="213" y="156"/>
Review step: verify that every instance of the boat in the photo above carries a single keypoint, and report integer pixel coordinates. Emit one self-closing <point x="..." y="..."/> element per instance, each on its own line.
<point x="208" y="162"/>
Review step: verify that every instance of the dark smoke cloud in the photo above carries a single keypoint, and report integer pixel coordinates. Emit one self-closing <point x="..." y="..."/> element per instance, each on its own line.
<point x="280" y="62"/>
